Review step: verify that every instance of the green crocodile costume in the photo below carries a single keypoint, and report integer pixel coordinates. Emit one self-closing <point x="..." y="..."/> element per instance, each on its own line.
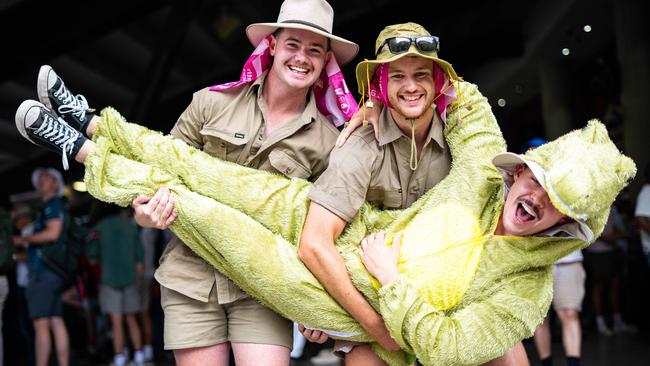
<point x="465" y="295"/>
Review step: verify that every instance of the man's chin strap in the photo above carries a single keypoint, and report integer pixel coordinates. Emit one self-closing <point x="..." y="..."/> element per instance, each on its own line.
<point x="413" y="161"/>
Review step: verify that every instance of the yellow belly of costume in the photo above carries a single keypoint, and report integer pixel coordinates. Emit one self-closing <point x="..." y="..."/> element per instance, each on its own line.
<point x="444" y="242"/>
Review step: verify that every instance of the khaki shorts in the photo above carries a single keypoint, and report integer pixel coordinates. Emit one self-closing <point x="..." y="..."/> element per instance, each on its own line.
<point x="191" y="323"/>
<point x="119" y="300"/>
<point x="568" y="286"/>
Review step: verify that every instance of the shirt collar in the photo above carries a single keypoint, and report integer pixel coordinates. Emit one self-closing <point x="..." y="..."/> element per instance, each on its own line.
<point x="308" y="115"/>
<point x="389" y="131"/>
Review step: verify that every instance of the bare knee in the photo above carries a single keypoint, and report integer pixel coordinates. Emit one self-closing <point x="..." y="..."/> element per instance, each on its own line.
<point x="363" y="355"/>
<point x="568" y="315"/>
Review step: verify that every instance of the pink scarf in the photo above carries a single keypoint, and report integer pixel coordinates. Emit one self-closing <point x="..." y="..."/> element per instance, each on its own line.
<point x="444" y="90"/>
<point x="333" y="98"/>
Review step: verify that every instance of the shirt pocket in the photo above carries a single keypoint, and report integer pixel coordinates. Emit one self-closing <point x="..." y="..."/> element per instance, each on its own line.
<point x="285" y="164"/>
<point x="385" y="198"/>
<point x="225" y="145"/>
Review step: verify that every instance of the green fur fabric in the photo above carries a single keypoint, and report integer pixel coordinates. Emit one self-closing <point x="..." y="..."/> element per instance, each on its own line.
<point x="465" y="295"/>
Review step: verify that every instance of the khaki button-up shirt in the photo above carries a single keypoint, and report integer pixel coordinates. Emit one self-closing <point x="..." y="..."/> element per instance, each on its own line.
<point x="230" y="125"/>
<point x="379" y="173"/>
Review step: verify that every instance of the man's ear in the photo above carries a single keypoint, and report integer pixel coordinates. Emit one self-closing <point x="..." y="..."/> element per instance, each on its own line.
<point x="273" y="44"/>
<point x="328" y="56"/>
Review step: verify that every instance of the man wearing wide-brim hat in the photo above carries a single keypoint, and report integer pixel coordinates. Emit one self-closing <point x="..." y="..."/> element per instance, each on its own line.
<point x="43" y="292"/>
<point x="269" y="120"/>
<point x="407" y="158"/>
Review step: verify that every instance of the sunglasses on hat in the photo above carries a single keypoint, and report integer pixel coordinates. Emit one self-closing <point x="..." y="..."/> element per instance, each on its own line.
<point x="402" y="44"/>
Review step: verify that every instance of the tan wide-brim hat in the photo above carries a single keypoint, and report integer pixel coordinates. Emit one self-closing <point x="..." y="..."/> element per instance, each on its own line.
<point x="316" y="16"/>
<point x="366" y="69"/>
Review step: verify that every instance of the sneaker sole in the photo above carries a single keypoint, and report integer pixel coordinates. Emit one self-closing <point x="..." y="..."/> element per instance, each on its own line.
<point x="21" y="113"/>
<point x="41" y="86"/>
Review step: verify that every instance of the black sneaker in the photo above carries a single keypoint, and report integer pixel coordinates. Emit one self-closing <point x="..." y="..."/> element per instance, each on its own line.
<point x="53" y="93"/>
<point x="42" y="127"/>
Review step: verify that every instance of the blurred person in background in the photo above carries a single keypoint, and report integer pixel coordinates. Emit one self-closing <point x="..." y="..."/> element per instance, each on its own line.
<point x="117" y="248"/>
<point x="6" y="266"/>
<point x="44" y="288"/>
<point x="642" y="212"/>
<point x="23" y="223"/>
<point x="604" y="259"/>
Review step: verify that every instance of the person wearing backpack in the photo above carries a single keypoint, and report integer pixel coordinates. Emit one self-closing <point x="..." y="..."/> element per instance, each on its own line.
<point x="44" y="289"/>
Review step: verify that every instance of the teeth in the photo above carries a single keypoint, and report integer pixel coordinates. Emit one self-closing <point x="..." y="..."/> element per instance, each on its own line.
<point x="529" y="209"/>
<point x="298" y="69"/>
<point x="411" y="98"/>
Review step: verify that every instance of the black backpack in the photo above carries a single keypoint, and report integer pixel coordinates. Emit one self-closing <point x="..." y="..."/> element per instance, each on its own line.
<point x="63" y="256"/>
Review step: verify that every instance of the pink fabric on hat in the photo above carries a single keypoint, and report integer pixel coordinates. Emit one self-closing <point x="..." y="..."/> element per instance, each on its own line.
<point x="445" y="92"/>
<point x="333" y="98"/>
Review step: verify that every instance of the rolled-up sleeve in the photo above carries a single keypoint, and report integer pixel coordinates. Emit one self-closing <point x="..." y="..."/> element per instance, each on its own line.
<point x="343" y="185"/>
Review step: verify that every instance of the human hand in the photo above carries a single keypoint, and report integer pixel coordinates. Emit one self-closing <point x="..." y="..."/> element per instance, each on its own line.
<point x="379" y="258"/>
<point x="313" y="335"/>
<point x="157" y="211"/>
<point x="20" y="242"/>
<point x="372" y="117"/>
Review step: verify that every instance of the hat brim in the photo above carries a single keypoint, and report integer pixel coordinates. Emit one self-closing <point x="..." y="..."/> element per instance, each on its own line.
<point x="365" y="70"/>
<point x="53" y="172"/>
<point x="507" y="164"/>
<point x="343" y="50"/>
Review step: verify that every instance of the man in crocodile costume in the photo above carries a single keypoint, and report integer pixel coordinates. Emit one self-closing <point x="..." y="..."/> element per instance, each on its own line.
<point x="465" y="295"/>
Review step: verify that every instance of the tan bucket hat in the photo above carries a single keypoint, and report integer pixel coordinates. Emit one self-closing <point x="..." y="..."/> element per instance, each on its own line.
<point x="313" y="15"/>
<point x="366" y="69"/>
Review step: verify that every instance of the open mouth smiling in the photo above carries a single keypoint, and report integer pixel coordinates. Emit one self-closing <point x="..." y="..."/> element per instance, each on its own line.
<point x="299" y="70"/>
<point x="411" y="98"/>
<point x="527" y="211"/>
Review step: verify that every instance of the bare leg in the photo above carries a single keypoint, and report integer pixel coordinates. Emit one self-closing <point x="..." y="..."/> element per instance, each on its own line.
<point x="134" y="332"/>
<point x="147" y="337"/>
<point x="516" y="356"/>
<point x="43" y="343"/>
<point x="363" y="355"/>
<point x="86" y="149"/>
<point x="542" y="339"/>
<point x="571" y="332"/>
<point x="249" y="354"/>
<point x="211" y="355"/>
<point x="118" y="333"/>
<point x="61" y="340"/>
<point x="92" y="126"/>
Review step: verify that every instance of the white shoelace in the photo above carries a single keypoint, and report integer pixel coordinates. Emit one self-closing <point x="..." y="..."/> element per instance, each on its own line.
<point x="77" y="105"/>
<point x="59" y="132"/>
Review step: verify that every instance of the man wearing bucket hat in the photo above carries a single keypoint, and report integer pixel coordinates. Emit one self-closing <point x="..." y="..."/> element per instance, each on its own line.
<point x="281" y="116"/>
<point x="43" y="293"/>
<point x="409" y="158"/>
